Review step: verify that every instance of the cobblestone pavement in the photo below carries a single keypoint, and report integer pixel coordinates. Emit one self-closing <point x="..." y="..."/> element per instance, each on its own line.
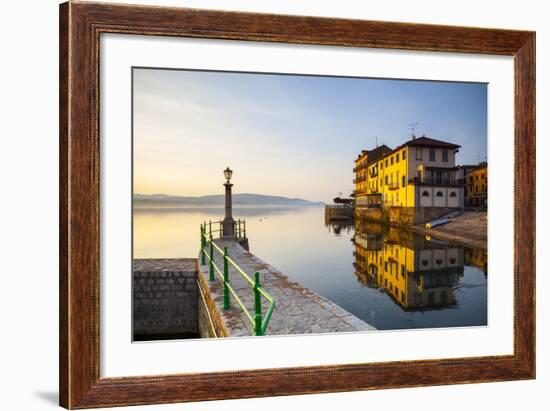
<point x="298" y="310"/>
<point x="165" y="264"/>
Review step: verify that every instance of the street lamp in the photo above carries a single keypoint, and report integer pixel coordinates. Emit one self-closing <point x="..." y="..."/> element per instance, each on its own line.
<point x="228" y="173"/>
<point x="228" y="224"/>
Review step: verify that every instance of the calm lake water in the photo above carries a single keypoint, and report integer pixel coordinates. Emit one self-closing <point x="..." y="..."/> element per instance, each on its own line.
<point x="387" y="277"/>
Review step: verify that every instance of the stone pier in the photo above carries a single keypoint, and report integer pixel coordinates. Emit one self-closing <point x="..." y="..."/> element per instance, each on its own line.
<point x="298" y="310"/>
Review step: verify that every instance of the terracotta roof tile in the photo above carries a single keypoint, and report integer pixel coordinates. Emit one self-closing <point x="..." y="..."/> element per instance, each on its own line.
<point x="428" y="142"/>
<point x="378" y="153"/>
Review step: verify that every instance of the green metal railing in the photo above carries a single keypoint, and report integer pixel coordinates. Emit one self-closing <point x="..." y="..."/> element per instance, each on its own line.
<point x="208" y="251"/>
<point x="239" y="228"/>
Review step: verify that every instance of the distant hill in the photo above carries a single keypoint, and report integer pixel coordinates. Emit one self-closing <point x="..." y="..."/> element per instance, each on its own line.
<point x="218" y="200"/>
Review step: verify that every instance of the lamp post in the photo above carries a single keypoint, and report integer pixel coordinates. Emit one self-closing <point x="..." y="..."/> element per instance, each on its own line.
<point x="228" y="224"/>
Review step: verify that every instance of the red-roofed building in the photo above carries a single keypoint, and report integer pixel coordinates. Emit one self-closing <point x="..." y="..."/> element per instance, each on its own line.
<point x="419" y="173"/>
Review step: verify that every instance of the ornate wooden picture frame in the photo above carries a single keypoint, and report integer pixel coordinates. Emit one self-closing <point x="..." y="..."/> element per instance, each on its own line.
<point x="80" y="27"/>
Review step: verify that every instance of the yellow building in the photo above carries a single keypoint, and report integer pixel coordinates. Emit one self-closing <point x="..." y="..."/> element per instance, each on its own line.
<point x="360" y="170"/>
<point x="418" y="173"/>
<point x="415" y="273"/>
<point x="362" y="163"/>
<point x="476" y="186"/>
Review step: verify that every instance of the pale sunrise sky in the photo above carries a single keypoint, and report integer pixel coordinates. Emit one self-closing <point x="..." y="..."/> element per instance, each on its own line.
<point x="295" y="136"/>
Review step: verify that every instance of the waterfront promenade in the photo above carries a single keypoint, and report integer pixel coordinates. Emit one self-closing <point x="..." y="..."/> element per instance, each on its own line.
<point x="298" y="310"/>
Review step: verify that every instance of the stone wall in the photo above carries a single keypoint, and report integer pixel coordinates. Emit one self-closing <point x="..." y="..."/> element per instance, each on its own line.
<point x="165" y="299"/>
<point x="401" y="216"/>
<point x="378" y="215"/>
<point x="210" y="322"/>
<point x="244" y="243"/>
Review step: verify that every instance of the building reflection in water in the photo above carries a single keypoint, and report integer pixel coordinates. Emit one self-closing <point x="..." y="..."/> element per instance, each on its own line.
<point x="417" y="273"/>
<point x="339" y="227"/>
<point x="476" y="257"/>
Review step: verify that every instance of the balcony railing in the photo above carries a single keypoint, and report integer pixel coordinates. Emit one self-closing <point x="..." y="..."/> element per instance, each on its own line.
<point x="431" y="181"/>
<point x="393" y="186"/>
<point x="359" y="179"/>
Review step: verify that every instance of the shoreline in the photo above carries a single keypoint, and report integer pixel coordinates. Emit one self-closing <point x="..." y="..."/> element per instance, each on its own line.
<point x="450" y="237"/>
<point x="468" y="229"/>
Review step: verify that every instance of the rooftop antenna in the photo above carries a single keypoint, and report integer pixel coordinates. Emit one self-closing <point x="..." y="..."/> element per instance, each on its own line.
<point x="376" y="137"/>
<point x="412" y="126"/>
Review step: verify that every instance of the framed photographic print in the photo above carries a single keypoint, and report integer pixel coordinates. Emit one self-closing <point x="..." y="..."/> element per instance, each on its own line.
<point x="259" y="205"/>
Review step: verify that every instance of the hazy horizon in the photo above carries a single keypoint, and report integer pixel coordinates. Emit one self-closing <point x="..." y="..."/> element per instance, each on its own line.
<point x="222" y="194"/>
<point x="286" y="135"/>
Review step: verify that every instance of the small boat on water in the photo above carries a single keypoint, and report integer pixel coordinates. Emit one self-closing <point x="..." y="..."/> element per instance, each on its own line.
<point x="437" y="222"/>
<point x="443" y="220"/>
